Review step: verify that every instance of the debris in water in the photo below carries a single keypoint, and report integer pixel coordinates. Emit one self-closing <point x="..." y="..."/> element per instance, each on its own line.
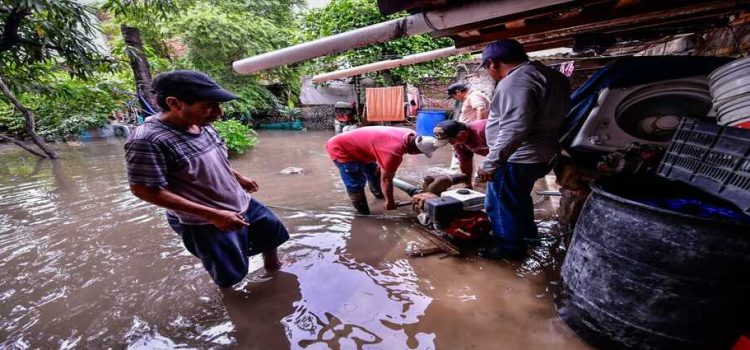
<point x="292" y="170"/>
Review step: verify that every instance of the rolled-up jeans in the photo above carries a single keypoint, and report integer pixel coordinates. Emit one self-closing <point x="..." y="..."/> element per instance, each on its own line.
<point x="357" y="174"/>
<point x="508" y="203"/>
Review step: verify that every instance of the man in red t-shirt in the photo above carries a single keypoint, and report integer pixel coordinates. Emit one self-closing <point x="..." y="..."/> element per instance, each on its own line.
<point x="467" y="139"/>
<point x="372" y="155"/>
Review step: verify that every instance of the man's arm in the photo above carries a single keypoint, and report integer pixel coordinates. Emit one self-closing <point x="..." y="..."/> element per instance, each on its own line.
<point x="247" y="183"/>
<point x="466" y="162"/>
<point x="386" y="184"/>
<point x="467" y="168"/>
<point x="223" y="219"/>
<point x="482" y="112"/>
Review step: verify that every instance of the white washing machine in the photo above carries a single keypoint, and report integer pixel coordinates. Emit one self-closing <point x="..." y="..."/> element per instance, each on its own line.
<point x="646" y="114"/>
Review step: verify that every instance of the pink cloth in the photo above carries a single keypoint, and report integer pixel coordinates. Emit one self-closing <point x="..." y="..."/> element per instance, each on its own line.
<point x="384" y="145"/>
<point x="385" y="104"/>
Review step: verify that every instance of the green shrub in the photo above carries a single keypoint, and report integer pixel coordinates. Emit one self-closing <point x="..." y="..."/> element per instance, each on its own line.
<point x="64" y="106"/>
<point x="237" y="136"/>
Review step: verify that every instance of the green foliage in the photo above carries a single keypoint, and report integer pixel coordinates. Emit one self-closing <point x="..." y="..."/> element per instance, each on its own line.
<point x="44" y="46"/>
<point x="221" y="32"/>
<point x="344" y="15"/>
<point x="237" y="136"/>
<point x="64" y="105"/>
<point x="149" y="16"/>
<point x="55" y="40"/>
<point x="41" y="30"/>
<point x="142" y="11"/>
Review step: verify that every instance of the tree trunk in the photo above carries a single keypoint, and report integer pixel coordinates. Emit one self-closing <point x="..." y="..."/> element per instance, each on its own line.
<point x="139" y="63"/>
<point x="30" y="124"/>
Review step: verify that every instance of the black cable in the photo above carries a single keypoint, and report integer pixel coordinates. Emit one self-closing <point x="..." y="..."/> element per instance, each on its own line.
<point x="428" y="22"/>
<point x="737" y="44"/>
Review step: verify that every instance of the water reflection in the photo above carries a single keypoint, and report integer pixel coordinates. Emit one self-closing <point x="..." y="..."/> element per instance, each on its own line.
<point x="84" y="264"/>
<point x="350" y="304"/>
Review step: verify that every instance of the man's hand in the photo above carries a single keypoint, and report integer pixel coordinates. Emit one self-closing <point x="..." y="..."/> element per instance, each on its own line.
<point x="390" y="205"/>
<point x="247" y="183"/>
<point x="484" y="175"/>
<point x="226" y="220"/>
<point x="417" y="200"/>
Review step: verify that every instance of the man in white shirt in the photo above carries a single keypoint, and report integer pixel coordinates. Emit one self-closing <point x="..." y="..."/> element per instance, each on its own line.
<point x="475" y="104"/>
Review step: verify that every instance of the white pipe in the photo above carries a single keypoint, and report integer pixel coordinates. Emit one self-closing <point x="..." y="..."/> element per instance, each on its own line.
<point x="390" y="64"/>
<point x="378" y="33"/>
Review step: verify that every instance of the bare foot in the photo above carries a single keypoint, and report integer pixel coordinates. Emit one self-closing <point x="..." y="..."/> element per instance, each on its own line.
<point x="271" y="261"/>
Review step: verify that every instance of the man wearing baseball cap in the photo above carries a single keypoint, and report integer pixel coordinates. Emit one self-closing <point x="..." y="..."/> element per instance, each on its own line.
<point x="371" y="156"/>
<point x="177" y="160"/>
<point x="526" y="113"/>
<point x="467" y="139"/>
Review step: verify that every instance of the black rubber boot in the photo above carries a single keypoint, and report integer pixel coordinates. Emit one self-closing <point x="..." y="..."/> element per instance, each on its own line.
<point x="359" y="201"/>
<point x="375" y="188"/>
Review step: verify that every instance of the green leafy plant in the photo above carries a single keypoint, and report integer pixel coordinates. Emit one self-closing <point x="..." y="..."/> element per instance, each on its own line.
<point x="237" y="136"/>
<point x="64" y="105"/>
<point x="220" y="32"/>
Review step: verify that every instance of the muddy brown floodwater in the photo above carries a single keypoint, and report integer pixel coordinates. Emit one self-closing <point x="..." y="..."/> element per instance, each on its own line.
<point x="85" y="265"/>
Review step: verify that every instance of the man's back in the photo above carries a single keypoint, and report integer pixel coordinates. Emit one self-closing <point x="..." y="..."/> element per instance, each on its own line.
<point x="382" y="144"/>
<point x="533" y="99"/>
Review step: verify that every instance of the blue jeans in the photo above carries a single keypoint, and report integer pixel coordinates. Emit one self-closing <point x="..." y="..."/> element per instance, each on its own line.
<point x="509" y="206"/>
<point x="224" y="254"/>
<point x="356" y="175"/>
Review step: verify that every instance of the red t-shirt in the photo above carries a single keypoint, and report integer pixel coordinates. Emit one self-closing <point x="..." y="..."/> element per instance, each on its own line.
<point x="384" y="145"/>
<point x="476" y="144"/>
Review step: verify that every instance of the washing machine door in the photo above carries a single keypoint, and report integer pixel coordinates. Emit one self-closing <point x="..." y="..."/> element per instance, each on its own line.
<point x="646" y="114"/>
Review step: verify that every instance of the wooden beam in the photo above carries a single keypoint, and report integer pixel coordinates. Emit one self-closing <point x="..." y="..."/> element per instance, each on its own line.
<point x="522" y="10"/>
<point x="634" y="15"/>
<point x="655" y="32"/>
<point x="389" y="7"/>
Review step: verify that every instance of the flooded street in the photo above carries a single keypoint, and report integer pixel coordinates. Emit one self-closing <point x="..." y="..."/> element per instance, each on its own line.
<point x="84" y="264"/>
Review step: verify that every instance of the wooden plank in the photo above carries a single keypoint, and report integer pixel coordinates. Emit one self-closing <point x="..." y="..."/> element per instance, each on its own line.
<point x="652" y="13"/>
<point x="516" y="10"/>
<point x="435" y="237"/>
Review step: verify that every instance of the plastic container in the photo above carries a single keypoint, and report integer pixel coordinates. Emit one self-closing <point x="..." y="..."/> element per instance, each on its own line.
<point x="642" y="277"/>
<point x="428" y="119"/>
<point x="742" y="124"/>
<point x="472" y="200"/>
<point x="730" y="91"/>
<point x="712" y="158"/>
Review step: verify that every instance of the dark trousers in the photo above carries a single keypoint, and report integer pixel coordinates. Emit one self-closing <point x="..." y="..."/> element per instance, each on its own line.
<point x="225" y="254"/>
<point x="509" y="206"/>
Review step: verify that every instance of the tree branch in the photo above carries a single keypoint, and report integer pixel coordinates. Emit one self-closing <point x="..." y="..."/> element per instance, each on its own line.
<point x="29" y="118"/>
<point x="22" y="145"/>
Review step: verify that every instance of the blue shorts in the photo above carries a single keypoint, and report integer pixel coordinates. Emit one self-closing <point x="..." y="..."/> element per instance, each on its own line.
<point x="225" y="254"/>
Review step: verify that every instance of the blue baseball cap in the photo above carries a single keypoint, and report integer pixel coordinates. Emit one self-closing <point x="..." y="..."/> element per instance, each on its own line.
<point x="506" y="50"/>
<point x="190" y="85"/>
